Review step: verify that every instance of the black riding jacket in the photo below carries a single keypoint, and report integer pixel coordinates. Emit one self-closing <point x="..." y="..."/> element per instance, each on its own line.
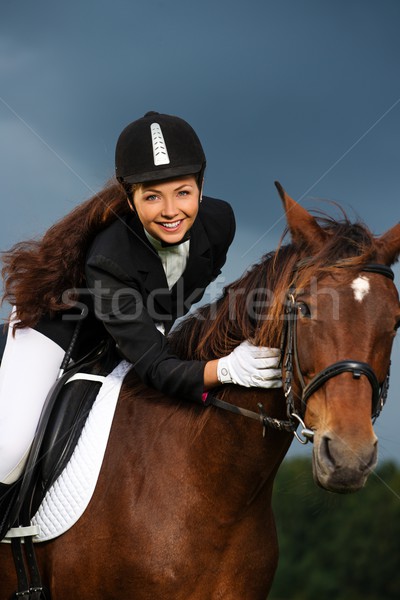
<point x="130" y="294"/>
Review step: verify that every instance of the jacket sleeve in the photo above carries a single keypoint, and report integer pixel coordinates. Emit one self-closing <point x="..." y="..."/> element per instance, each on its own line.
<point x="118" y="303"/>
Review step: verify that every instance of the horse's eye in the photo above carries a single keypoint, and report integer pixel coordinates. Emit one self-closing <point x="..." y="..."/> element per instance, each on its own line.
<point x="303" y="310"/>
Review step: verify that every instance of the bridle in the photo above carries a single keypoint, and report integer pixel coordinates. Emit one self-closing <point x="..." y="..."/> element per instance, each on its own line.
<point x="290" y="351"/>
<point x="291" y="364"/>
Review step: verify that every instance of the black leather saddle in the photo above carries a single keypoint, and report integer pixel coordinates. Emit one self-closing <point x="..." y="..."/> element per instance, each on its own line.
<point x="64" y="414"/>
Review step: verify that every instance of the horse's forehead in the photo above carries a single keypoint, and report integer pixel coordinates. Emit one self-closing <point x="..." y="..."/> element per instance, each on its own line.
<point x="361" y="287"/>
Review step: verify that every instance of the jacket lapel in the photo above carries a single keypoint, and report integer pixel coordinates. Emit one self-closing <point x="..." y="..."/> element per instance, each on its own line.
<point x="198" y="270"/>
<point x="149" y="267"/>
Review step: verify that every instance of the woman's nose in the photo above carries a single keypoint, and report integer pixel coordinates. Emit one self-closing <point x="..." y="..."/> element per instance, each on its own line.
<point x="169" y="208"/>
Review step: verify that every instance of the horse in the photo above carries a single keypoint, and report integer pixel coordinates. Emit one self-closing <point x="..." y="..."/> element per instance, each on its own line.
<point x="182" y="507"/>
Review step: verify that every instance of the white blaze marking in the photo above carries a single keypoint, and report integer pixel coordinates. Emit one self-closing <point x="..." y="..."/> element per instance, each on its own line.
<point x="360" y="287"/>
<point x="160" y="151"/>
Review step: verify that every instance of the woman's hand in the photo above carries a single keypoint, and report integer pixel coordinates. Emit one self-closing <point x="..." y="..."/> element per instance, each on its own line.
<point x="247" y="365"/>
<point x="251" y="366"/>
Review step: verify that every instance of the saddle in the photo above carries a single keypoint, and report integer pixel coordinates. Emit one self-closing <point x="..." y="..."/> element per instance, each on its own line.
<point x="63" y="417"/>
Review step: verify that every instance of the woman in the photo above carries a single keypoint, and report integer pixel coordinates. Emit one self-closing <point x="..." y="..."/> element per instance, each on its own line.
<point x="124" y="265"/>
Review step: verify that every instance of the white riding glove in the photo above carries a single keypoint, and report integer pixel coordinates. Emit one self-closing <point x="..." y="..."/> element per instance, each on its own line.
<point x="251" y="366"/>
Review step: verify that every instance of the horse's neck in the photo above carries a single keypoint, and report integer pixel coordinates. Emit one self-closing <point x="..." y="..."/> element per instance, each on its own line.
<point x="220" y="454"/>
<point x="239" y="458"/>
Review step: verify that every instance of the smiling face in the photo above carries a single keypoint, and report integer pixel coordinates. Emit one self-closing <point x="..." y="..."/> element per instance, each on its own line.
<point x="167" y="209"/>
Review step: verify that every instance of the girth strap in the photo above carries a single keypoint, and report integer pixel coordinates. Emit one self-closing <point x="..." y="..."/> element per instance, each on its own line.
<point x="36" y="588"/>
<point x="29" y="587"/>
<point x="23" y="584"/>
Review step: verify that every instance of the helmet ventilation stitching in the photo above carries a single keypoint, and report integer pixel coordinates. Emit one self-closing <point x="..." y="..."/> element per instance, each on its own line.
<point x="160" y="152"/>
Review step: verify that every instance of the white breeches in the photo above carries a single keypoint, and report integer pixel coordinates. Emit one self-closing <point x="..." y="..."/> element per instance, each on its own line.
<point x="30" y="366"/>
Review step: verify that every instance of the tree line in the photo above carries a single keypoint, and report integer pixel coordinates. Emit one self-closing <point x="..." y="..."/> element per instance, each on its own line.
<point x="337" y="547"/>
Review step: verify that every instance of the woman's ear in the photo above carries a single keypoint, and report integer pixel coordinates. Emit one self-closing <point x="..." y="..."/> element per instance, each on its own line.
<point x="130" y="190"/>
<point x="129" y="199"/>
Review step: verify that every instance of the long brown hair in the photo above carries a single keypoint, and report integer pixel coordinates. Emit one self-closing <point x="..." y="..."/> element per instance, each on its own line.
<point x="37" y="272"/>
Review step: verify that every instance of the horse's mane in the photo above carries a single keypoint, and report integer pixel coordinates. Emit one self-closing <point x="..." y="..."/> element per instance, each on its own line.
<point x="251" y="307"/>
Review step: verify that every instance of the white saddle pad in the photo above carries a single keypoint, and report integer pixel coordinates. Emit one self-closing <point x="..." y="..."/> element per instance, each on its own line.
<point x="70" y="494"/>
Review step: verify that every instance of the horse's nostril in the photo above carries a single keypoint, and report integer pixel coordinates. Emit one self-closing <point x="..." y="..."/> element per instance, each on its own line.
<point x="326" y="452"/>
<point x="371" y="462"/>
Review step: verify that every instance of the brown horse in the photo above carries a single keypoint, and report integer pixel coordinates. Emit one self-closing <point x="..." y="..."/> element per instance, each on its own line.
<point x="182" y="509"/>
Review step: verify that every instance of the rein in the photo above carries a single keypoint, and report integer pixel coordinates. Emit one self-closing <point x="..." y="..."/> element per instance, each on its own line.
<point x="265" y="421"/>
<point x="289" y="353"/>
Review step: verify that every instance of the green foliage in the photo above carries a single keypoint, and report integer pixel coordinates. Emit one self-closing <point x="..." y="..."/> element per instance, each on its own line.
<point x="333" y="546"/>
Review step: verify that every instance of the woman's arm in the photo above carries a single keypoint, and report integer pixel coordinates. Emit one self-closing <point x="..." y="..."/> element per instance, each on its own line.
<point x="121" y="309"/>
<point x="211" y="375"/>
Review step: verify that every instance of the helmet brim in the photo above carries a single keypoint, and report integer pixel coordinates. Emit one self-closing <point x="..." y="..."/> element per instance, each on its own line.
<point x="160" y="174"/>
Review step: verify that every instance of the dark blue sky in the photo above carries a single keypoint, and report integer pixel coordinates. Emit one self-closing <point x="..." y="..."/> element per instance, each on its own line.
<point x="303" y="91"/>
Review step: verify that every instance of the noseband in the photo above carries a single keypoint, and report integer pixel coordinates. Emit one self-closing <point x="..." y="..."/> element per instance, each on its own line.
<point x="290" y="352"/>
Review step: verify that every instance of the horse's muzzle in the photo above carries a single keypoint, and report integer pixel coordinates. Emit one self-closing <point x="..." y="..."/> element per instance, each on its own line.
<point x="339" y="467"/>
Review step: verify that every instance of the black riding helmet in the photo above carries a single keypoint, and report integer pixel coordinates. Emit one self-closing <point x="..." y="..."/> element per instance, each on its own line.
<point x="158" y="146"/>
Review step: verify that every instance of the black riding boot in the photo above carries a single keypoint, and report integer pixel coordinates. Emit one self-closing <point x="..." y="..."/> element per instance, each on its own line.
<point x="8" y="493"/>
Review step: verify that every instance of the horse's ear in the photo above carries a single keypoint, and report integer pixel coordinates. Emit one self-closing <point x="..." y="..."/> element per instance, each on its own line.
<point x="303" y="227"/>
<point x="389" y="245"/>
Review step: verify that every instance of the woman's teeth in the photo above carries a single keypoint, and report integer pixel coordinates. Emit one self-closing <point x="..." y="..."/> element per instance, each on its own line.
<point x="171" y="225"/>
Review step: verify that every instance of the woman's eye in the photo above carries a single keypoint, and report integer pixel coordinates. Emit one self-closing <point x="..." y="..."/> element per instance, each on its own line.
<point x="183" y="193"/>
<point x="151" y="197"/>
